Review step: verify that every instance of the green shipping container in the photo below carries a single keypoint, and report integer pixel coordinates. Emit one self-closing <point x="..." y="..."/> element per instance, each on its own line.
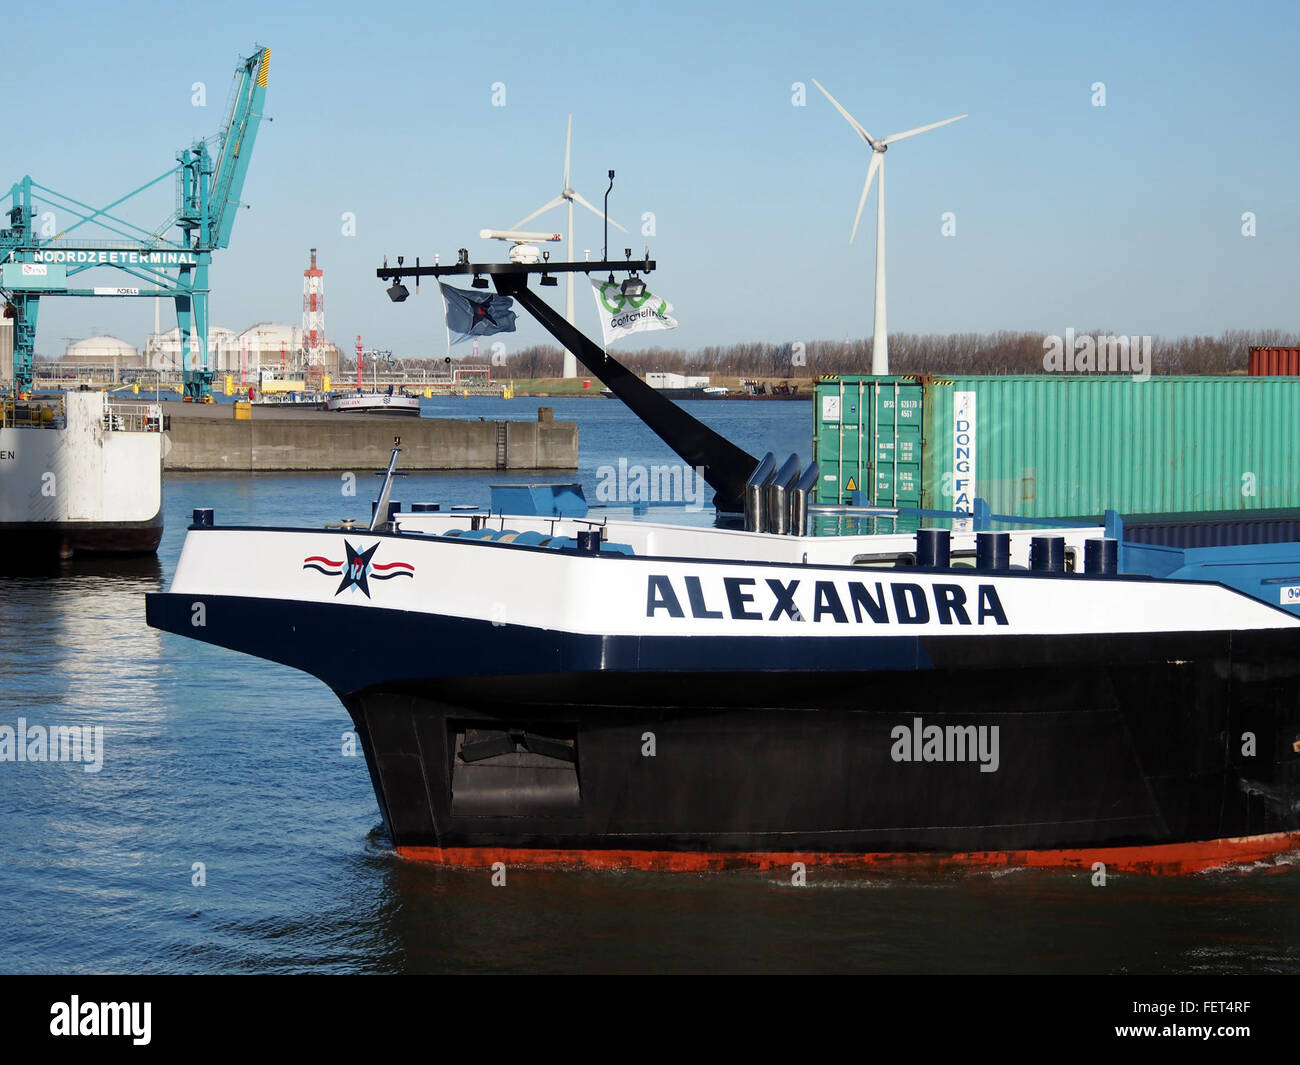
<point x="868" y="436"/>
<point x="1055" y="446"/>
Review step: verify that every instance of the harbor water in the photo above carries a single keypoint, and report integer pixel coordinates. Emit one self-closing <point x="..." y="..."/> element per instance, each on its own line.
<point x="228" y="829"/>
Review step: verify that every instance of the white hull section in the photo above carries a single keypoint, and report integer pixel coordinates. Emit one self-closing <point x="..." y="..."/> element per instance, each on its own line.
<point x="374" y="404"/>
<point x="85" y="472"/>
<point x="618" y="595"/>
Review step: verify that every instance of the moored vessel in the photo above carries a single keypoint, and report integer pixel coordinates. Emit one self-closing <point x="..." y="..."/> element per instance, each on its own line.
<point x="79" y="475"/>
<point x="374" y="403"/>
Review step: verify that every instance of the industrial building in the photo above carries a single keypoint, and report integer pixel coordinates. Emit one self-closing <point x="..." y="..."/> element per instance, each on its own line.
<point x="103" y="352"/>
<point x="162" y="351"/>
<point x="272" y="344"/>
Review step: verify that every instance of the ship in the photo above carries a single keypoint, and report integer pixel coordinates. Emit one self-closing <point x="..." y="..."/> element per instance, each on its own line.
<point x="374" y="402"/>
<point x="535" y="689"/>
<point x="562" y="689"/>
<point x="309" y="400"/>
<point x="272" y="381"/>
<point x="79" y="475"/>
<point x="751" y="388"/>
<point x="288" y="386"/>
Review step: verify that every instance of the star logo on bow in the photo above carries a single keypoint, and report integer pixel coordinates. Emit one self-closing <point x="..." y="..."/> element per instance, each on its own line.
<point x="356" y="571"/>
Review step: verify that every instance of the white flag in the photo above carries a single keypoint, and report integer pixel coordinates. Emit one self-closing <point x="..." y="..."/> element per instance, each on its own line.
<point x="621" y="315"/>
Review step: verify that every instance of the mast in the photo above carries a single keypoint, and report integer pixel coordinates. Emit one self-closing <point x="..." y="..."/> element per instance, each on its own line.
<point x="725" y="466"/>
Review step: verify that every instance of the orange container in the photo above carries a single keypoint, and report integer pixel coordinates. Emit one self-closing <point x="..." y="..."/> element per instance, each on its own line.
<point x="1274" y="362"/>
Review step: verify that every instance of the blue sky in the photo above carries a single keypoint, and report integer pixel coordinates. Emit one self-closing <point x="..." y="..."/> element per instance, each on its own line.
<point x="1126" y="217"/>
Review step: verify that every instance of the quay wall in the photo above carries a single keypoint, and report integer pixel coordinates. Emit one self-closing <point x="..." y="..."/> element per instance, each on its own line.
<point x="210" y="438"/>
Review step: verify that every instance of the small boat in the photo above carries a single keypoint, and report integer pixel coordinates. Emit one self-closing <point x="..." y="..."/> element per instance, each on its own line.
<point x="374" y="403"/>
<point x="277" y="381"/>
<point x="310" y="400"/>
<point x="756" y="389"/>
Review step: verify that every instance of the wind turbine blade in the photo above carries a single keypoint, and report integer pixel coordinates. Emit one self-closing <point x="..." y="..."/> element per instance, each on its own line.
<point x="597" y="211"/>
<point x="568" y="144"/>
<point x="852" y="121"/>
<point x="866" y="187"/>
<point x="541" y="210"/>
<point x="920" y="129"/>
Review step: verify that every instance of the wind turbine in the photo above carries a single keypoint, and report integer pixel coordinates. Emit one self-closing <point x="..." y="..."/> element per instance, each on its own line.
<point x="880" y="335"/>
<point x="569" y="195"/>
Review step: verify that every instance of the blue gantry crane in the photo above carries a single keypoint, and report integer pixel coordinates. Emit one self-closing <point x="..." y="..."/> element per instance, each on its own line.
<point x="36" y="263"/>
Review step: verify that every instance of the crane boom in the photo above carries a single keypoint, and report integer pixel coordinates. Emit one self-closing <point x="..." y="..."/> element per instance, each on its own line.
<point x="237" y="141"/>
<point x="35" y="260"/>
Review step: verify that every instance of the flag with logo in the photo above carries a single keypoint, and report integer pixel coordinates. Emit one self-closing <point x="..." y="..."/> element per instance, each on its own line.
<point x="622" y="315"/>
<point x="477" y="314"/>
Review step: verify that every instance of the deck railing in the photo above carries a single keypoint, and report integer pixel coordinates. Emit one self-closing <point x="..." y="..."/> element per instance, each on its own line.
<point x="133" y="417"/>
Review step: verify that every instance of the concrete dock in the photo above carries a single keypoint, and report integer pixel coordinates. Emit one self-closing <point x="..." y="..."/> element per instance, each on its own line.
<point x="209" y="437"/>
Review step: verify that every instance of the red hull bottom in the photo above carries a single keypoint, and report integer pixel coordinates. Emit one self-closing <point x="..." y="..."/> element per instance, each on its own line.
<point x="1167" y="859"/>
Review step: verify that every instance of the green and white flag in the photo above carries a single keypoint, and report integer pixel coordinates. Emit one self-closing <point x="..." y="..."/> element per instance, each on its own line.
<point x="622" y="316"/>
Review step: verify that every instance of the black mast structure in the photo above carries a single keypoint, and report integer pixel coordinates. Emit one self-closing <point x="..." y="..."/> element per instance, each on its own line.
<point x="726" y="467"/>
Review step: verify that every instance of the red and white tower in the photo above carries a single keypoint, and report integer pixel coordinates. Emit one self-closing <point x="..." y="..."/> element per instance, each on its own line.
<point x="313" y="313"/>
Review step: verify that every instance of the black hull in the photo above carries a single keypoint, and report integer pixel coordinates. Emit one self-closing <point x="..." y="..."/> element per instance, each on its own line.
<point x="1102" y="742"/>
<point x="778" y="396"/>
<point x="41" y="541"/>
<point x="1085" y="760"/>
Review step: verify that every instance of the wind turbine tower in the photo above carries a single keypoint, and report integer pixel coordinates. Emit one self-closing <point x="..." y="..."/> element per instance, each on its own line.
<point x="570" y="196"/>
<point x="880" y="332"/>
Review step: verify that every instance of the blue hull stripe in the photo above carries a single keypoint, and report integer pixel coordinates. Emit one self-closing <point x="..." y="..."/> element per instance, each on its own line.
<point x="354" y="647"/>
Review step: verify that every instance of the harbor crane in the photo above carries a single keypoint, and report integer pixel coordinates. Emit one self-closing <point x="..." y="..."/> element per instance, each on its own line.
<point x="37" y="261"/>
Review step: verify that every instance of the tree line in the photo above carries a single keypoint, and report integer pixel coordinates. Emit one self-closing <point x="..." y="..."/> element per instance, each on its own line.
<point x="1003" y="352"/>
